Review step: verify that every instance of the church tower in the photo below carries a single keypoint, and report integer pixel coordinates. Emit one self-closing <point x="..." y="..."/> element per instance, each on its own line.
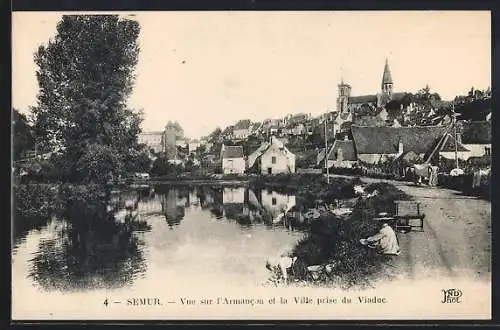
<point x="343" y="98"/>
<point x="387" y="82"/>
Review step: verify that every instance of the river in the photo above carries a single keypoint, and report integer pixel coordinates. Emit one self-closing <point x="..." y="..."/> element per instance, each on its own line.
<point x="182" y="237"/>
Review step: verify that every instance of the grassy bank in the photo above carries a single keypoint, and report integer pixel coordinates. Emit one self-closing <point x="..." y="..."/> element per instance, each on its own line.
<point x="312" y="185"/>
<point x="336" y="242"/>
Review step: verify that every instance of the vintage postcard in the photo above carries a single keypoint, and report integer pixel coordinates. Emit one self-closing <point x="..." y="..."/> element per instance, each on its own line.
<point x="248" y="165"/>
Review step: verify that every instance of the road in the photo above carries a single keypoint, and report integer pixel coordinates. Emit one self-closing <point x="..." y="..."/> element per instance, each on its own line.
<point x="456" y="241"/>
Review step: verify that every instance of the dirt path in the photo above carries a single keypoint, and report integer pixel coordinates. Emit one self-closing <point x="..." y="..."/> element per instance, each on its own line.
<point x="456" y="241"/>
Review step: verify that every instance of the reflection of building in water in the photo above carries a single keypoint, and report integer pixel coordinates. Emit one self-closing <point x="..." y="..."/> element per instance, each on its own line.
<point x="276" y="203"/>
<point x="233" y="195"/>
<point x="233" y="200"/>
<point x="193" y="198"/>
<point x="174" y="207"/>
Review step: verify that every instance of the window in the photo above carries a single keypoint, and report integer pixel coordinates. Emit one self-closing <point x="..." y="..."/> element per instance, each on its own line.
<point x="273" y="160"/>
<point x="274" y="200"/>
<point x="487" y="151"/>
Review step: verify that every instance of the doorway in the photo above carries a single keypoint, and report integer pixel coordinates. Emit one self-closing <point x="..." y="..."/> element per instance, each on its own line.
<point x="269" y="170"/>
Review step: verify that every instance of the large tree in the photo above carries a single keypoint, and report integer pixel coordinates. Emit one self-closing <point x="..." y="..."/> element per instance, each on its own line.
<point x="85" y="74"/>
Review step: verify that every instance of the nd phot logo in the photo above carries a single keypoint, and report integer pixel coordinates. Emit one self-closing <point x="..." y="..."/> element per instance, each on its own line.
<point x="451" y="296"/>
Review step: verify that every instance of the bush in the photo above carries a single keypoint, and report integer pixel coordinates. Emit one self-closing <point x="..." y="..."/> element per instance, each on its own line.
<point x="332" y="240"/>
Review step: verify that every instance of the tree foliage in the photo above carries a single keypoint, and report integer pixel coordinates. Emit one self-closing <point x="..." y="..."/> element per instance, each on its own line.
<point x="85" y="74"/>
<point x="22" y="134"/>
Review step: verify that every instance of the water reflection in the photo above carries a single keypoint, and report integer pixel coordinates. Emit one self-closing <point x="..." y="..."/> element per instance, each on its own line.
<point x="89" y="247"/>
<point x="249" y="206"/>
<point x="110" y="239"/>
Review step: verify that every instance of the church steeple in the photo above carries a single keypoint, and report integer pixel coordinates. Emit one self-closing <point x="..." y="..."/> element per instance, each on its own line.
<point x="343" y="97"/>
<point x="387" y="80"/>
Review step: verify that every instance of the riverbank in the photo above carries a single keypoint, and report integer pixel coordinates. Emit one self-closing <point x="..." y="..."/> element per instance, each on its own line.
<point x="333" y="242"/>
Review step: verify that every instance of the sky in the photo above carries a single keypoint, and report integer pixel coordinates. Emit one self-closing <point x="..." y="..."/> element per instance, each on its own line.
<point x="209" y="69"/>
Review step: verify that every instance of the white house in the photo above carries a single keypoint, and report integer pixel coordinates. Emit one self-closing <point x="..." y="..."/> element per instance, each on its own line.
<point x="233" y="161"/>
<point x="272" y="158"/>
<point x="277" y="159"/>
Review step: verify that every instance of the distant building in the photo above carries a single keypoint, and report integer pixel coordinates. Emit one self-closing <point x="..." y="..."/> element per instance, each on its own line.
<point x="193" y="145"/>
<point x="342" y="154"/>
<point x="233" y="161"/>
<point x="173" y="133"/>
<point x="349" y="104"/>
<point x="242" y="130"/>
<point x="164" y="141"/>
<point x="153" y="140"/>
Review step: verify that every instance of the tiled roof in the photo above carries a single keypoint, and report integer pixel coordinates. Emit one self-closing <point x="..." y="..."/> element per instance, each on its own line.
<point x="232" y="152"/>
<point x="385" y="140"/>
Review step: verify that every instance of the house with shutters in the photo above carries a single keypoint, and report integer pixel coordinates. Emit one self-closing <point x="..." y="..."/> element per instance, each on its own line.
<point x="233" y="160"/>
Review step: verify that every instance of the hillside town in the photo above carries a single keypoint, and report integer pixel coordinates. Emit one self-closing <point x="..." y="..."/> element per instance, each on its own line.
<point x="363" y="132"/>
<point x="388" y="188"/>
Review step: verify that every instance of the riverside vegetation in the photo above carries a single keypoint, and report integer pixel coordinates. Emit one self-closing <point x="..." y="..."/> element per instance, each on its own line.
<point x="335" y="241"/>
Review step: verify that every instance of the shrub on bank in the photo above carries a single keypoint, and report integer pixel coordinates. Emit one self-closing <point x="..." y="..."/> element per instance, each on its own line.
<point x="336" y="241"/>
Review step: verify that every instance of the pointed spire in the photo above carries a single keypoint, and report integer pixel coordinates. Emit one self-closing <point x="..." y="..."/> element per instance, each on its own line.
<point x="386" y="78"/>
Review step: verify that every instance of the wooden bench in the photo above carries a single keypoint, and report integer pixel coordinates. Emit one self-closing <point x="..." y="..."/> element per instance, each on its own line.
<point x="405" y="211"/>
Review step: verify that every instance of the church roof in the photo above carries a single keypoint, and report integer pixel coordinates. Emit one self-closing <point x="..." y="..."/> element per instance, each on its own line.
<point x="387" y="77"/>
<point x="362" y="99"/>
<point x="398" y="96"/>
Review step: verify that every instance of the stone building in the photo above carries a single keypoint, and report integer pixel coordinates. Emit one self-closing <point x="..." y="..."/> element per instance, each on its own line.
<point x="347" y="103"/>
<point x="164" y="141"/>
